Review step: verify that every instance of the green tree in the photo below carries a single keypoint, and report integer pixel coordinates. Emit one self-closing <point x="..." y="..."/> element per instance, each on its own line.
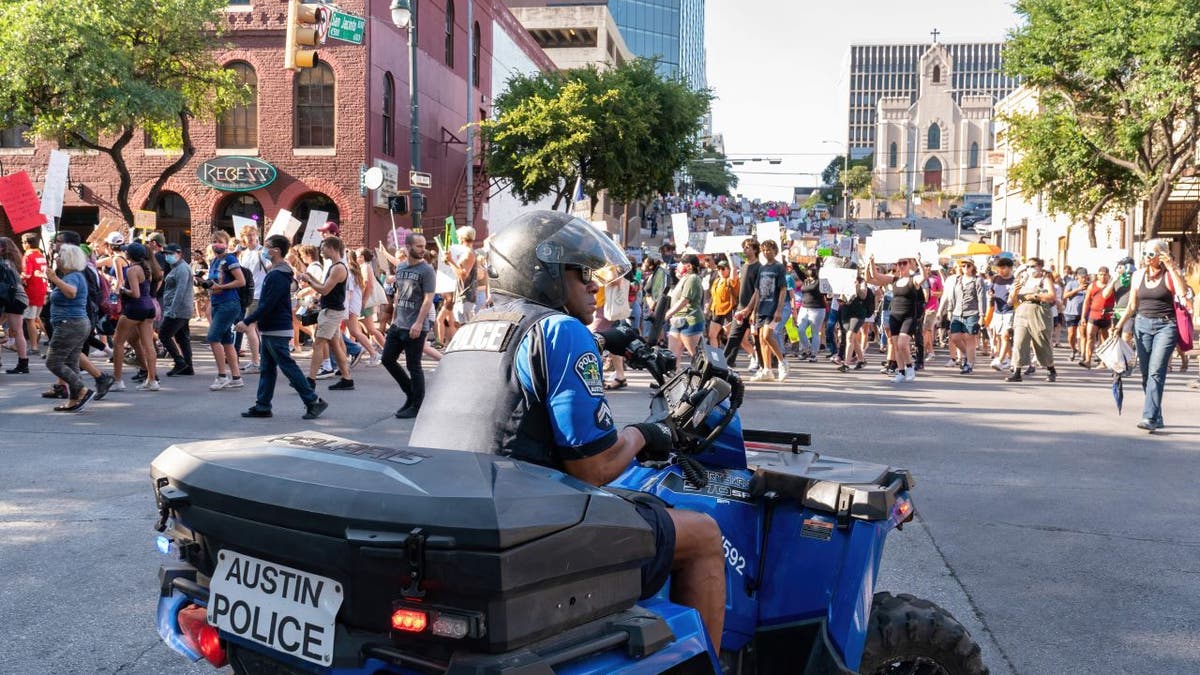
<point x="1120" y="80"/>
<point x="858" y="180"/>
<point x="711" y="174"/>
<point x="1058" y="163"/>
<point x="627" y="130"/>
<point x="91" y="73"/>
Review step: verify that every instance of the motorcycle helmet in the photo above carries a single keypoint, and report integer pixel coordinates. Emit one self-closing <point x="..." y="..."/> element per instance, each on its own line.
<point x="528" y="257"/>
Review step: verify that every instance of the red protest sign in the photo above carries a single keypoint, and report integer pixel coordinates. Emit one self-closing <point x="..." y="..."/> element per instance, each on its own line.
<point x="20" y="202"/>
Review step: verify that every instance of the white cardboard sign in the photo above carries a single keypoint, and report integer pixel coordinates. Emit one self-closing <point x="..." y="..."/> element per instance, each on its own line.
<point x="315" y="220"/>
<point x="679" y="229"/>
<point x="241" y="221"/>
<point x="718" y="244"/>
<point x="841" y="280"/>
<point x="54" y="187"/>
<point x="889" y="246"/>
<point x="768" y="230"/>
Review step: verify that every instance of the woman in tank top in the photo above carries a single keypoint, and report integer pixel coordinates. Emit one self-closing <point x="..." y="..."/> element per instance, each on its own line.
<point x="905" y="280"/>
<point x="1152" y="308"/>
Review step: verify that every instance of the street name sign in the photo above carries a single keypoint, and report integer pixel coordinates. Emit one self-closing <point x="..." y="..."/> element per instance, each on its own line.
<point x="346" y="27"/>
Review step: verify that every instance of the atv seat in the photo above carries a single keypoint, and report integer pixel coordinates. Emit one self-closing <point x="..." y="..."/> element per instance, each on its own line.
<point x="846" y="488"/>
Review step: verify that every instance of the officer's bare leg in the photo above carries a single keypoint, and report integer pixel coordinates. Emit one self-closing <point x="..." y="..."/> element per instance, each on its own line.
<point x="698" y="569"/>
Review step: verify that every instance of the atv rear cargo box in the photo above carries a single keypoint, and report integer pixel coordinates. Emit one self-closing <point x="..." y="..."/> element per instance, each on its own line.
<point x="527" y="551"/>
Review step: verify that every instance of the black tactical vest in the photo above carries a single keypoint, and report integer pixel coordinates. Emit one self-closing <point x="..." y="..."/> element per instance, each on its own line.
<point x="476" y="403"/>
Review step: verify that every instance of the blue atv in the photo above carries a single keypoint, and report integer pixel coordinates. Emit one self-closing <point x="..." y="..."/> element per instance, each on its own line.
<point x="309" y="553"/>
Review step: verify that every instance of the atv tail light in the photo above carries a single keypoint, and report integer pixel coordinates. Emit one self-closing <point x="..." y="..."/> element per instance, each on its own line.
<point x="409" y="620"/>
<point x="903" y="510"/>
<point x="450" y="626"/>
<point x="202" y="637"/>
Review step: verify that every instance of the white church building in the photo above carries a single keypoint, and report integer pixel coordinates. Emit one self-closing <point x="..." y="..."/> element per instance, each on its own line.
<point x="937" y="142"/>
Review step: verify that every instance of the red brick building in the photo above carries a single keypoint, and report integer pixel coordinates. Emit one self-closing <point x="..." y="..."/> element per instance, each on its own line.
<point x="318" y="129"/>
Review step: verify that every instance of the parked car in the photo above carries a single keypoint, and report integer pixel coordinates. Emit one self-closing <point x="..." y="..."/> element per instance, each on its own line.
<point x="982" y="226"/>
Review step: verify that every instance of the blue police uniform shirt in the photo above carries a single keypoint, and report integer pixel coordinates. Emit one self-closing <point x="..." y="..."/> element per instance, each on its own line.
<point x="582" y="421"/>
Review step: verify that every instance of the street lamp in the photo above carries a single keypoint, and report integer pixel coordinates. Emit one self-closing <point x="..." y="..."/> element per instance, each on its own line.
<point x="404" y="16"/>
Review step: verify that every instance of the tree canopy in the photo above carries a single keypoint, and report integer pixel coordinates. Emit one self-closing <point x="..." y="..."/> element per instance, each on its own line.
<point x="627" y="130"/>
<point x="91" y="72"/>
<point x="711" y="174"/>
<point x="1119" y="101"/>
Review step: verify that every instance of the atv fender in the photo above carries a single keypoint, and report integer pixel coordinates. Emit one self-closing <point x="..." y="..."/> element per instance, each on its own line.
<point x="850" y="607"/>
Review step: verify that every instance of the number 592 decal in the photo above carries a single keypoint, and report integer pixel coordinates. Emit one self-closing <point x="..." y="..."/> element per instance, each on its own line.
<point x="736" y="562"/>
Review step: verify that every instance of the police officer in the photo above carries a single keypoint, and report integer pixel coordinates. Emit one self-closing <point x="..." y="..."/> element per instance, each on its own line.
<point x="523" y="379"/>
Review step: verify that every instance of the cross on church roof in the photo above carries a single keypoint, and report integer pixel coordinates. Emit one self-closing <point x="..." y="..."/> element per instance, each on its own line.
<point x="935" y="33"/>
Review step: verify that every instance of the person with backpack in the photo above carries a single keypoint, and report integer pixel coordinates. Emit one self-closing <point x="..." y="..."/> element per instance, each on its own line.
<point x="13" y="301"/>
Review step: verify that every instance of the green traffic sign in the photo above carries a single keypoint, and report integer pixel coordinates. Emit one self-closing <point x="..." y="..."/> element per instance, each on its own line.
<point x="346" y="27"/>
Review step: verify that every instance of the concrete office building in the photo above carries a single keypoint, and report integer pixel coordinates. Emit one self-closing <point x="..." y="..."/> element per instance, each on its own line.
<point x="894" y="71"/>
<point x="574" y="36"/>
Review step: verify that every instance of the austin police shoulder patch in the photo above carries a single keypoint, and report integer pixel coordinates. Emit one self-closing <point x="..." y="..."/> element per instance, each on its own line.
<point x="604" y="418"/>
<point x="587" y="368"/>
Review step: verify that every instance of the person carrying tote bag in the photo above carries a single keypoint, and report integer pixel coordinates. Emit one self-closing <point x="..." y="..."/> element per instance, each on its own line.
<point x="1156" y="330"/>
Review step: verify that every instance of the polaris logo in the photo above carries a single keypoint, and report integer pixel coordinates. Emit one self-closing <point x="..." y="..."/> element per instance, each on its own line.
<point x="352" y="448"/>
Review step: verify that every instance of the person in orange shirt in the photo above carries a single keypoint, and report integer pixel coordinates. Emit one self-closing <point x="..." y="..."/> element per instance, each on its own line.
<point x="723" y="294"/>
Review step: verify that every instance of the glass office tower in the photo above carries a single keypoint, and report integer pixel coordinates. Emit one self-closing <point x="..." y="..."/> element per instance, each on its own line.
<point x="672" y="30"/>
<point x="891" y="70"/>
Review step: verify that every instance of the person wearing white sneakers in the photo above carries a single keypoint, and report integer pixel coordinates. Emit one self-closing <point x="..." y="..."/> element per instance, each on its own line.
<point x="767" y="304"/>
<point x="906" y="292"/>
<point x="686" y="313"/>
<point x="225" y="276"/>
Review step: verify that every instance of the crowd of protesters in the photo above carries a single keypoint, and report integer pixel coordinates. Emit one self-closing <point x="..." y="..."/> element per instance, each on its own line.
<point x="103" y="308"/>
<point x="262" y="302"/>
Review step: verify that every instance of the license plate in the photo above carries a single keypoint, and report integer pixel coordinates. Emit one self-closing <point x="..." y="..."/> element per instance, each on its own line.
<point x="285" y="609"/>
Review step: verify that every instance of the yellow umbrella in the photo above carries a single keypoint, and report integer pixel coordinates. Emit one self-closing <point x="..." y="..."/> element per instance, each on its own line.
<point x="963" y="249"/>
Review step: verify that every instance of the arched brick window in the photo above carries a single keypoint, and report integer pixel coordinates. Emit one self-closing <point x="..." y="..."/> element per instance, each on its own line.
<point x="238" y="127"/>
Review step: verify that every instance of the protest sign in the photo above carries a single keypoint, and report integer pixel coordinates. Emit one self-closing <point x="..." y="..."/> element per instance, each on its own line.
<point x="929" y="251"/>
<point x="20" y="202"/>
<point x="716" y="244"/>
<point x="889" y="246"/>
<point x="445" y="281"/>
<point x="54" y="188"/>
<point x="241" y="221"/>
<point x="145" y="220"/>
<point x="679" y="229"/>
<point x="285" y="223"/>
<point x="315" y="219"/>
<point x="841" y="280"/>
<point x="768" y="230"/>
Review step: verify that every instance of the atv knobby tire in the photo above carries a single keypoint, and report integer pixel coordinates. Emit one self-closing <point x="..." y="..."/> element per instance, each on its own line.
<point x="906" y="634"/>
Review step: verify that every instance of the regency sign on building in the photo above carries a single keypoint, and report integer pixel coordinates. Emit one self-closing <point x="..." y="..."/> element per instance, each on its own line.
<point x="236" y="174"/>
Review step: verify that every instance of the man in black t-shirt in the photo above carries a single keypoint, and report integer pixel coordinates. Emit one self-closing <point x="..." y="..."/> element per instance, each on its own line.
<point x="741" y="316"/>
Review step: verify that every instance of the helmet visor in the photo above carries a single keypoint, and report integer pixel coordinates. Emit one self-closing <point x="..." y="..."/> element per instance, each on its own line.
<point x="580" y="244"/>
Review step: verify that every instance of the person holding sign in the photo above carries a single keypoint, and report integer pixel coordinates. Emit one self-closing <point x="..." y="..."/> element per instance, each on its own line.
<point x="906" y="293"/>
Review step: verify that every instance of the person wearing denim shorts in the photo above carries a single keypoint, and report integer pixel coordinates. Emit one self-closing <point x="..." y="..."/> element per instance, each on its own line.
<point x="225" y="276"/>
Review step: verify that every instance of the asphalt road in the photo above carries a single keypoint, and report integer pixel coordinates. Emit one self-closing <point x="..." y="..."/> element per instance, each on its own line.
<point x="1064" y="538"/>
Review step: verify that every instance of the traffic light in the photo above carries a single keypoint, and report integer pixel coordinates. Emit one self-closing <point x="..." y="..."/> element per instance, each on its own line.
<point x="305" y="27"/>
<point x="398" y="204"/>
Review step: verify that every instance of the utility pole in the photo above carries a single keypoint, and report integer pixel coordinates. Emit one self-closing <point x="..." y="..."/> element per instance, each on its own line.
<point x="417" y="202"/>
<point x="471" y="47"/>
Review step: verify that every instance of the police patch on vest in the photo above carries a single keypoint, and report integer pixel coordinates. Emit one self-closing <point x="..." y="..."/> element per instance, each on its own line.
<point x="587" y="367"/>
<point x="481" y="336"/>
<point x="604" y="418"/>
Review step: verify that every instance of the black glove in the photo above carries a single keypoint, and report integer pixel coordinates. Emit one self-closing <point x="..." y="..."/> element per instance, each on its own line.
<point x="660" y="441"/>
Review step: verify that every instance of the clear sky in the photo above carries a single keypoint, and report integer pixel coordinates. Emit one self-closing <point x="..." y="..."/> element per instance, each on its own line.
<point x="779" y="67"/>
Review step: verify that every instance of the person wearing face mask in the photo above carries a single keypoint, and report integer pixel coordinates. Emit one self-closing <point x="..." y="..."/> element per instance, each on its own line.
<point x="225" y="276"/>
<point x="273" y="317"/>
<point x="178" y="306"/>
